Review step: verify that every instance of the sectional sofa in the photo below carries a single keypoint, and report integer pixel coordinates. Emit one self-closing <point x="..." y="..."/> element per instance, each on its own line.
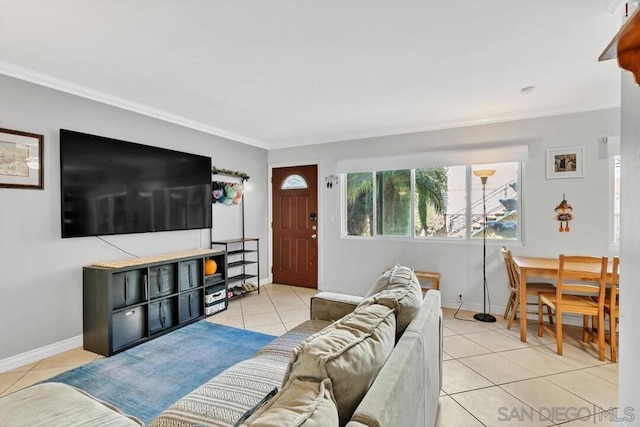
<point x="360" y="361"/>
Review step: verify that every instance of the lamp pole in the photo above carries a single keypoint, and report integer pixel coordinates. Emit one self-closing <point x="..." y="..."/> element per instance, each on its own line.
<point x="484" y="316"/>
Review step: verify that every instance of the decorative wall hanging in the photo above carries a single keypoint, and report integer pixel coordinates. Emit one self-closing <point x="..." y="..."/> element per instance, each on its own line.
<point x="565" y="163"/>
<point x="21" y="164"/>
<point x="218" y="171"/>
<point x="564" y="214"/>
<point x="331" y="180"/>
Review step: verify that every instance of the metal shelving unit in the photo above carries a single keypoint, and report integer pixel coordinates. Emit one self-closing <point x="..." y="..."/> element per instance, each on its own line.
<point x="242" y="263"/>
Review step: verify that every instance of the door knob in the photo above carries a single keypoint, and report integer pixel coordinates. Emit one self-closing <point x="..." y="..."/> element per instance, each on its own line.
<point x="314" y="236"/>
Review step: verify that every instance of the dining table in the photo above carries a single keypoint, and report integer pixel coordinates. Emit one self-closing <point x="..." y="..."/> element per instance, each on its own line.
<point x="545" y="268"/>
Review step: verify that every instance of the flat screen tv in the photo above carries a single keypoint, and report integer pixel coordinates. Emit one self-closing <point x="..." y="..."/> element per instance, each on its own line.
<point x="117" y="187"/>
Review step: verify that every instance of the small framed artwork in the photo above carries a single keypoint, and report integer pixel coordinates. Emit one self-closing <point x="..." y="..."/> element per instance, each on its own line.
<point x="20" y="159"/>
<point x="565" y="163"/>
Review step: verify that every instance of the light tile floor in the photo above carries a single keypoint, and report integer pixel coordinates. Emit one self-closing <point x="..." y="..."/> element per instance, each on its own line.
<point x="490" y="377"/>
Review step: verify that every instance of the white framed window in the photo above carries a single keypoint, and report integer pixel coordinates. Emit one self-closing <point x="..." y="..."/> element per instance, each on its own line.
<point x="434" y="203"/>
<point x="393" y="203"/>
<point x="294" y="182"/>
<point x="359" y="203"/>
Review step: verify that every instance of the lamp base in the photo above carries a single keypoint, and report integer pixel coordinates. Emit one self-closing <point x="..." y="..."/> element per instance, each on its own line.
<point x="484" y="317"/>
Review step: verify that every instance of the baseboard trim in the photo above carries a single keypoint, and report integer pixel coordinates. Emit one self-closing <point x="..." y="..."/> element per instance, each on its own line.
<point x="40" y="353"/>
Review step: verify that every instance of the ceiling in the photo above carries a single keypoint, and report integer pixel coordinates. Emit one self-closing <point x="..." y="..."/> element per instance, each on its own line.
<point x="284" y="73"/>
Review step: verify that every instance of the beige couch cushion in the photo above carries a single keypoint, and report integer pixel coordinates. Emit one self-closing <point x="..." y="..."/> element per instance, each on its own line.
<point x="403" y="294"/>
<point x="406" y="391"/>
<point x="58" y="404"/>
<point x="382" y="283"/>
<point x="307" y="403"/>
<point x="350" y="352"/>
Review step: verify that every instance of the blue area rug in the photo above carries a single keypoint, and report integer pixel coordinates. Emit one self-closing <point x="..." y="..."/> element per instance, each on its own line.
<point x="145" y="380"/>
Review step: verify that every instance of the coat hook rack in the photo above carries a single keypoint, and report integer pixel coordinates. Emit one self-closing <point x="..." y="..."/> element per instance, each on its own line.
<point x="331" y="180"/>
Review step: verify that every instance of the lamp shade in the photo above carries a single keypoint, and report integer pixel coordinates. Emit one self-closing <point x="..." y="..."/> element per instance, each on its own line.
<point x="484" y="173"/>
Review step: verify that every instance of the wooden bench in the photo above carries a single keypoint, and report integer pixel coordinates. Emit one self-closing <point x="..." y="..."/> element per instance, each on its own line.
<point x="432" y="276"/>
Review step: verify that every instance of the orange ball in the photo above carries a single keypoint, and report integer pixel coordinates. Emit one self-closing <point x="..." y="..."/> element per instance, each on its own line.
<point x="210" y="267"/>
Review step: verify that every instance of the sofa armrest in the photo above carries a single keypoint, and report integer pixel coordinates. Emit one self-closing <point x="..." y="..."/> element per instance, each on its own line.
<point x="332" y="306"/>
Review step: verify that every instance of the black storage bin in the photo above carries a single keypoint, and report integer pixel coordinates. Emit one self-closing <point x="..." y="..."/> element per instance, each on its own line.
<point x="189" y="273"/>
<point x="161" y="315"/>
<point x="128" y="327"/>
<point x="128" y="288"/>
<point x="161" y="280"/>
<point x="190" y="305"/>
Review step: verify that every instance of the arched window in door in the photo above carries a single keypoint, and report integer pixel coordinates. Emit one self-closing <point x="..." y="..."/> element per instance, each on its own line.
<point x="294" y="182"/>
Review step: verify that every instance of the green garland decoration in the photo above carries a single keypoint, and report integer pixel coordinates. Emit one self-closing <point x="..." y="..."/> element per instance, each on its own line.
<point x="218" y="171"/>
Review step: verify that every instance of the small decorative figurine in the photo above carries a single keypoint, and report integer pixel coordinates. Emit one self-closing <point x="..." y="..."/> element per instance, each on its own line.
<point x="564" y="214"/>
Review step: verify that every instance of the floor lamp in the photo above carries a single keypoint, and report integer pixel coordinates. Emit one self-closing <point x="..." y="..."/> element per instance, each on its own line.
<point x="483" y="175"/>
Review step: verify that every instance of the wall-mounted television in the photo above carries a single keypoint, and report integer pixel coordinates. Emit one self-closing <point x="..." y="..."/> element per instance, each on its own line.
<point x="110" y="187"/>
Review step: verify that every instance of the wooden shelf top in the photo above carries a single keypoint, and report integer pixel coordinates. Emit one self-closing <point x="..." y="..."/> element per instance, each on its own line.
<point x="156" y="258"/>
<point x="625" y="46"/>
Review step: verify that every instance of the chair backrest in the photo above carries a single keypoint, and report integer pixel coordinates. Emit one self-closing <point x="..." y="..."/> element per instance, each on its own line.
<point x="583" y="274"/>
<point x="615" y="282"/>
<point x="512" y="270"/>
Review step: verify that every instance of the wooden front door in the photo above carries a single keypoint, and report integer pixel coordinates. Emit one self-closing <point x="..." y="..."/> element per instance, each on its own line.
<point x="295" y="226"/>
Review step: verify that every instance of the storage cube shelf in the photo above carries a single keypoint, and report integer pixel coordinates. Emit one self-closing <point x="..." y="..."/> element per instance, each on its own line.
<point x="129" y="302"/>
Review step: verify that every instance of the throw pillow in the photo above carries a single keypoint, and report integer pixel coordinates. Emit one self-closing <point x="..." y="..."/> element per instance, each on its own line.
<point x="381" y="283"/>
<point x="301" y="402"/>
<point x="403" y="294"/>
<point x="350" y="352"/>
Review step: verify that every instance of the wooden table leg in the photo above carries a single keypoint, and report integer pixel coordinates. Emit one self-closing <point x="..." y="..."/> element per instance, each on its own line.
<point x="523" y="305"/>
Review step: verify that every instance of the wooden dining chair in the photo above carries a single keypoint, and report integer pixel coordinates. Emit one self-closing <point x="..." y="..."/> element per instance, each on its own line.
<point x="585" y="275"/>
<point x="533" y="288"/>
<point x="612" y="309"/>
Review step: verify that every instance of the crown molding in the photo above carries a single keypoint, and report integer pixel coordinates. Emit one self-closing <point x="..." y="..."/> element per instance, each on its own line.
<point x="46" y="80"/>
<point x="42" y="79"/>
<point x="444" y="125"/>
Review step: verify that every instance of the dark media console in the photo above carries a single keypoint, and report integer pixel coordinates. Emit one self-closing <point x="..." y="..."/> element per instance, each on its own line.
<point x="129" y="302"/>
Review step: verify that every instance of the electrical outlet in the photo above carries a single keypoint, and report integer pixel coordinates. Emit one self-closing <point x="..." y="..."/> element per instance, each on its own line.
<point x="460" y="299"/>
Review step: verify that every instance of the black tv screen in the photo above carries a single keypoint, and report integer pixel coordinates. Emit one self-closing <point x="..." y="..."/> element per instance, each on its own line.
<point x="117" y="187"/>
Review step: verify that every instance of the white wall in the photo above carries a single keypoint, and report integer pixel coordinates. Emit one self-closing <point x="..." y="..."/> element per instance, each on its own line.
<point x="630" y="248"/>
<point x="352" y="265"/>
<point x="40" y="273"/>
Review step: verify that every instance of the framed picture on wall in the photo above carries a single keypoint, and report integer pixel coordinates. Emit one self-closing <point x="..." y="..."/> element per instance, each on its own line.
<point x="565" y="163"/>
<point x="20" y="159"/>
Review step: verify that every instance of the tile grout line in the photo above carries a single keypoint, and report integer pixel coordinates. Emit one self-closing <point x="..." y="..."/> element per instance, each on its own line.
<point x="535" y="347"/>
<point x="469" y="412"/>
<point x="569" y="391"/>
<point x="276" y="310"/>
